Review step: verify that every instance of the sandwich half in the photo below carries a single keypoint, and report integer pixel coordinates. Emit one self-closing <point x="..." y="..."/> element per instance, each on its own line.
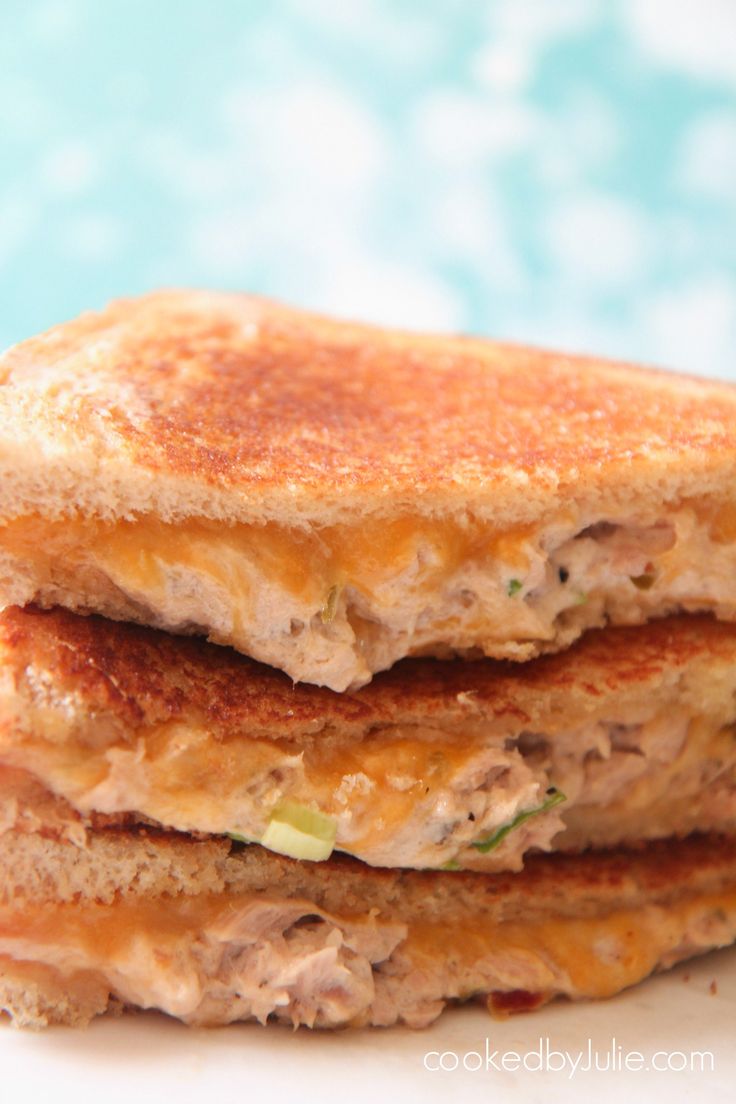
<point x="329" y="498"/>
<point x="212" y="931"/>
<point x="630" y="735"/>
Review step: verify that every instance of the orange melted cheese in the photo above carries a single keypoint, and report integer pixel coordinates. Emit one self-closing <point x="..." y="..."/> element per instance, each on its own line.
<point x="136" y="554"/>
<point x="184" y="777"/>
<point x="599" y="955"/>
<point x="588" y="957"/>
<point x="722" y="526"/>
<point x="717" y="519"/>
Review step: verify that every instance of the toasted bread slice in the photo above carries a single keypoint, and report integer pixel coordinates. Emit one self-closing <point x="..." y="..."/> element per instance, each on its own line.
<point x="627" y="736"/>
<point x="214" y="932"/>
<point x="330" y="497"/>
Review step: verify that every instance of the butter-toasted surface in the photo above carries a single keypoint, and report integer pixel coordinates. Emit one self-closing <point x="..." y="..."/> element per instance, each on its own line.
<point x="230" y="406"/>
<point x="144" y="676"/>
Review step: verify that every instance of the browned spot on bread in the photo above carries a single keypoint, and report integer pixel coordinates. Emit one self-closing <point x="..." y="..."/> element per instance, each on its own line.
<point x="143" y="676"/>
<point x="242" y="393"/>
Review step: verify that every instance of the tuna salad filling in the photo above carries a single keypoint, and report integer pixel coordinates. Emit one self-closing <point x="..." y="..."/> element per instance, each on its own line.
<point x="332" y="607"/>
<point x="216" y="958"/>
<point x="407" y="796"/>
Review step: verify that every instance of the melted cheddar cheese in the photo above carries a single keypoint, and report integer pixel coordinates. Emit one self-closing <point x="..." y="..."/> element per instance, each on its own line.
<point x="182" y="776"/>
<point x="137" y="554"/>
<point x="397" y="796"/>
<point x="719" y="520"/>
<point x="596" y="956"/>
<point x="144" y="947"/>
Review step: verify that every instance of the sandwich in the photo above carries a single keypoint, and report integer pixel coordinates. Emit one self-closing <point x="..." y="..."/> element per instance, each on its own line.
<point x="627" y="736"/>
<point x="329" y="498"/>
<point x="213" y="931"/>
<point x="185" y="827"/>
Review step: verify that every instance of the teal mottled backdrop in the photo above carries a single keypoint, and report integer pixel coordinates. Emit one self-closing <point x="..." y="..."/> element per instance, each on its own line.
<point x="557" y="171"/>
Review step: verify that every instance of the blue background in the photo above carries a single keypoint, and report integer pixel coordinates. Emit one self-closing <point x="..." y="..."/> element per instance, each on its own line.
<point x="555" y="171"/>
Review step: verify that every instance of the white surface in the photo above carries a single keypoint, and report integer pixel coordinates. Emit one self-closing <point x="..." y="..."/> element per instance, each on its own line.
<point x="147" y="1057"/>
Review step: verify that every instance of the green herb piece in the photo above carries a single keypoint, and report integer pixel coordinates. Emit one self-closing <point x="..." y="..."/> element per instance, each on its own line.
<point x="513" y="588"/>
<point x="451" y="864"/>
<point x="552" y="799"/>
<point x="329" y="609"/>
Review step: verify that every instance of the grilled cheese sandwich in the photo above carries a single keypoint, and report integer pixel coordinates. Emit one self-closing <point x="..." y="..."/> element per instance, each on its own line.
<point x="331" y="498"/>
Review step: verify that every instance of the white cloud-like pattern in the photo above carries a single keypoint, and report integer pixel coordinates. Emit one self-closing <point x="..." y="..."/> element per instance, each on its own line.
<point x="697" y="37"/>
<point x="560" y="172"/>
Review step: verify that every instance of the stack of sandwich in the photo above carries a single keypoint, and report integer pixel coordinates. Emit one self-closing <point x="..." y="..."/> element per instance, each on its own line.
<point x="346" y="674"/>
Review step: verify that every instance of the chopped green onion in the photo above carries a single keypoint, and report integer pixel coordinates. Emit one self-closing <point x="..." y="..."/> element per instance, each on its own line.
<point x="329" y="609"/>
<point x="513" y="588"/>
<point x="240" y="839"/>
<point x="491" y="842"/>
<point x="451" y="864"/>
<point x="300" y="832"/>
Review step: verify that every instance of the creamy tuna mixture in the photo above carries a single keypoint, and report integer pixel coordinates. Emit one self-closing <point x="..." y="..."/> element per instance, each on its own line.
<point x="332" y="607"/>
<point x="410" y="796"/>
<point x="213" y="960"/>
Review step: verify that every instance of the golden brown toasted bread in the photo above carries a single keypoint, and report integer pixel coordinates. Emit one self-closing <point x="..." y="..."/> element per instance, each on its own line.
<point x="330" y="497"/>
<point x="627" y="736"/>
<point x="213" y="932"/>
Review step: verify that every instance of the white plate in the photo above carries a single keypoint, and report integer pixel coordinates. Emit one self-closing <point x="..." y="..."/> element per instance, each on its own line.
<point x="150" y="1058"/>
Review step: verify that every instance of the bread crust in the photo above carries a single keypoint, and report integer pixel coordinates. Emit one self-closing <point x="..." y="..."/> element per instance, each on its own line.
<point x="41" y="861"/>
<point x="140" y="677"/>
<point x="231" y="407"/>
